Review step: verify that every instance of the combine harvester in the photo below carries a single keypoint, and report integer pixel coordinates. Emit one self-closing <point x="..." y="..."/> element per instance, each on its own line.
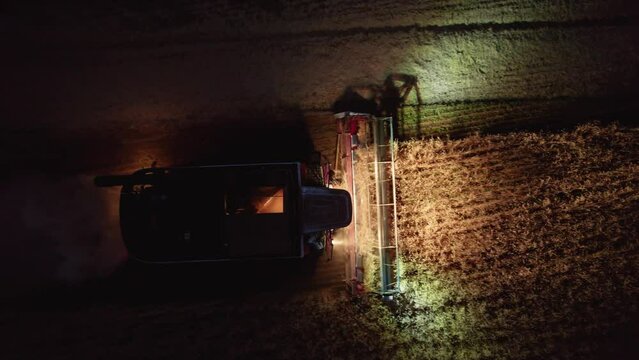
<point x="366" y="160"/>
<point x="228" y="212"/>
<point x="273" y="210"/>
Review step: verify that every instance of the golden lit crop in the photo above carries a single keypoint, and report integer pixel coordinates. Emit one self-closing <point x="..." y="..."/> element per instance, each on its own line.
<point x="516" y="245"/>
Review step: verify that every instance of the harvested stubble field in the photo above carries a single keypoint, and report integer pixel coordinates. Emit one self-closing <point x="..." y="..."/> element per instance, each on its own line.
<point x="521" y="245"/>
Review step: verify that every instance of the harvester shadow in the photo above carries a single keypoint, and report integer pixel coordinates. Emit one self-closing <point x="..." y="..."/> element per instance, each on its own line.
<point x="279" y="136"/>
<point x="386" y="100"/>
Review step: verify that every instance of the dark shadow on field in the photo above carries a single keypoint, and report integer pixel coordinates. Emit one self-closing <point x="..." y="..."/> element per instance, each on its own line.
<point x="270" y="136"/>
<point x="458" y="119"/>
<point x="621" y="341"/>
<point x="569" y="112"/>
<point x="141" y="283"/>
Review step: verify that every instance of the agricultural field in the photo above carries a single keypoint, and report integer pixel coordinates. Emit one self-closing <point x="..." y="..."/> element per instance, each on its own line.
<point x="520" y="245"/>
<point x="515" y="246"/>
